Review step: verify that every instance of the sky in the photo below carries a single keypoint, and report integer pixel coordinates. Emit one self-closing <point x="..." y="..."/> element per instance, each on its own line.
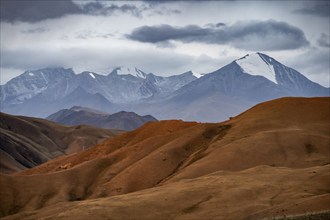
<point x="162" y="37"/>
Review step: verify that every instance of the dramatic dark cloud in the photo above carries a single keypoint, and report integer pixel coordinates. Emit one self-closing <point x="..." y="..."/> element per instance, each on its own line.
<point x="155" y="34"/>
<point x="33" y="11"/>
<point x="317" y="9"/>
<point x="38" y="10"/>
<point x="253" y="35"/>
<point x="324" y="40"/>
<point x="98" y="8"/>
<point x="96" y="41"/>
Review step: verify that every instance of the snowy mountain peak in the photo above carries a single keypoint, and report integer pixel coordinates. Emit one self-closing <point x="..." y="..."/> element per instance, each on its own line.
<point x="129" y="71"/>
<point x="244" y="82"/>
<point x="193" y="74"/>
<point x="198" y="75"/>
<point x="259" y="65"/>
<point x="89" y="74"/>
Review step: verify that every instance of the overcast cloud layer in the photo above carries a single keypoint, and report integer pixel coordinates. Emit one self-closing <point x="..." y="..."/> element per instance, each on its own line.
<point x="38" y="10"/>
<point x="251" y="35"/>
<point x="169" y="37"/>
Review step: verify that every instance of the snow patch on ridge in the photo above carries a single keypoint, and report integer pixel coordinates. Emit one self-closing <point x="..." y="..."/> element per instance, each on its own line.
<point x="254" y="64"/>
<point x="92" y="75"/>
<point x="198" y="75"/>
<point x="131" y="71"/>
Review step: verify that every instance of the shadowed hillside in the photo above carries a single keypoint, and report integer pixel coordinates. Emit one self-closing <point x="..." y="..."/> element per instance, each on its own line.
<point x="269" y="161"/>
<point x="27" y="142"/>
<point x="80" y="115"/>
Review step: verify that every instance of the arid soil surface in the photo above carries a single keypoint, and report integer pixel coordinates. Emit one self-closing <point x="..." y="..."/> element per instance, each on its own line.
<point x="27" y="142"/>
<point x="272" y="160"/>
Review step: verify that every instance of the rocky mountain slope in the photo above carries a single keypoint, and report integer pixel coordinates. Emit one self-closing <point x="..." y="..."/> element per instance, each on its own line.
<point x="37" y="93"/>
<point x="234" y="88"/>
<point x="213" y="97"/>
<point x="27" y="142"/>
<point x="271" y="160"/>
<point x="120" y="120"/>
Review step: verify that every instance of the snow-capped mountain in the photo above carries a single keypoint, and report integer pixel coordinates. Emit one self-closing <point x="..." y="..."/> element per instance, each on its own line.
<point x="234" y="88"/>
<point x="52" y="89"/>
<point x="133" y="71"/>
<point x="31" y="83"/>
<point x="255" y="64"/>
<point x="215" y="96"/>
<point x="295" y="83"/>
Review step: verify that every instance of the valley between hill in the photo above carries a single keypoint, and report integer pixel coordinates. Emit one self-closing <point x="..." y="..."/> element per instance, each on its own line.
<point x="27" y="142"/>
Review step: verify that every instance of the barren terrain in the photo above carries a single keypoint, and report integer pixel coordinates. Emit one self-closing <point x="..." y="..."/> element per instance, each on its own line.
<point x="27" y="142"/>
<point x="272" y="160"/>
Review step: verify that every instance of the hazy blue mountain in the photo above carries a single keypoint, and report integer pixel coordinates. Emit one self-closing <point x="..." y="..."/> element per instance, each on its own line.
<point x="41" y="92"/>
<point x="214" y="96"/>
<point x="81" y="115"/>
<point x="234" y="88"/>
<point x="285" y="77"/>
<point x="31" y="83"/>
<point x="41" y="105"/>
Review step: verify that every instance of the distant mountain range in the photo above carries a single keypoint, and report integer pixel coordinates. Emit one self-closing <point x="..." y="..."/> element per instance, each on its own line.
<point x="27" y="142"/>
<point x="215" y="96"/>
<point x="82" y="115"/>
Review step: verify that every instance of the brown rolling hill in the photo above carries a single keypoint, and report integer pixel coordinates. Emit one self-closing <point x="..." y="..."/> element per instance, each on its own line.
<point x="271" y="160"/>
<point x="27" y="142"/>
